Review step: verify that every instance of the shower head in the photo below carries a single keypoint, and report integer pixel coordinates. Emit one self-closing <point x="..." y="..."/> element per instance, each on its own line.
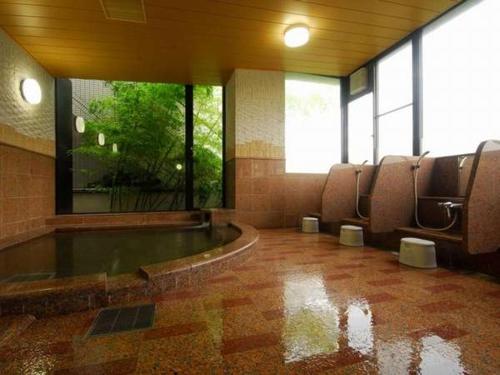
<point x="360" y="168"/>
<point x="421" y="157"/>
<point x="461" y="165"/>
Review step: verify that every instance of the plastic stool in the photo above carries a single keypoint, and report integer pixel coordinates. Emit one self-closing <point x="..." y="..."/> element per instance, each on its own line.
<point x="416" y="252"/>
<point x="310" y="225"/>
<point x="351" y="235"/>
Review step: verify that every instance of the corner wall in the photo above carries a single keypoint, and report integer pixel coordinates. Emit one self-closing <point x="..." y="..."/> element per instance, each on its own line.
<point x="257" y="186"/>
<point x="27" y="147"/>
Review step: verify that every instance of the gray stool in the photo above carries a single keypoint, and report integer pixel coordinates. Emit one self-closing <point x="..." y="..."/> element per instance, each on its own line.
<point x="351" y="235"/>
<point x="416" y="252"/>
<point x="310" y="225"/>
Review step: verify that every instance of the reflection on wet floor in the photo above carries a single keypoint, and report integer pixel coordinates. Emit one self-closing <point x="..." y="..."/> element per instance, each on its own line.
<point x="312" y="321"/>
<point x="395" y="356"/>
<point x="439" y="357"/>
<point x="301" y="305"/>
<point x="359" y="327"/>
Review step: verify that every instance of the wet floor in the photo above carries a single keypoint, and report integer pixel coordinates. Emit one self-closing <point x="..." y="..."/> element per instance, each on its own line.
<point x="302" y="304"/>
<point x="112" y="251"/>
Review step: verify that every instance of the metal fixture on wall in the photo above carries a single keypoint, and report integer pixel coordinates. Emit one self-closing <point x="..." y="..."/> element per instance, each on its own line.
<point x="31" y="91"/>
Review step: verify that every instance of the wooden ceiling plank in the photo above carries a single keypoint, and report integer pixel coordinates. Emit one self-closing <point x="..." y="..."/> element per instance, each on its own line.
<point x="430" y="5"/>
<point x="201" y="58"/>
<point x="70" y="4"/>
<point x="207" y="44"/>
<point x="212" y="19"/>
<point x="322" y="40"/>
<point x="285" y="11"/>
<point x="242" y="19"/>
<point x="369" y="6"/>
<point x="203" y="41"/>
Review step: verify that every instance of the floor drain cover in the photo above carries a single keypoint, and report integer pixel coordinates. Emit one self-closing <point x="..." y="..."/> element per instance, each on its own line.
<point x="123" y="319"/>
<point x="25" y="277"/>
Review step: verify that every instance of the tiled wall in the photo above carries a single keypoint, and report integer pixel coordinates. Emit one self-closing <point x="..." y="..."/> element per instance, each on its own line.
<point x="259" y="114"/>
<point x="27" y="148"/>
<point x="302" y="196"/>
<point x="26" y="193"/>
<point x="267" y="197"/>
<point x="256" y="183"/>
<point x="34" y="121"/>
<point x="260" y="192"/>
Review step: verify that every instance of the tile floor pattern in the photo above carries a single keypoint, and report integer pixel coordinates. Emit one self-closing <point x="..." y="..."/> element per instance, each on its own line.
<point x="302" y="304"/>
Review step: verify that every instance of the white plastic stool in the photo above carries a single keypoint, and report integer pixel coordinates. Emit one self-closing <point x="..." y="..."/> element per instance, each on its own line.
<point x="351" y="235"/>
<point x="417" y="252"/>
<point x="310" y="225"/>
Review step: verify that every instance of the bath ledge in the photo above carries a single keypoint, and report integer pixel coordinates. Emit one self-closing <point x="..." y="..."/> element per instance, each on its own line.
<point x="248" y="237"/>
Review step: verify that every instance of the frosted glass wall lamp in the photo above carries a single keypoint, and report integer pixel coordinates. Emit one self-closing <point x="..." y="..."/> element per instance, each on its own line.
<point x="80" y="124"/>
<point x="101" y="139"/>
<point x="31" y="91"/>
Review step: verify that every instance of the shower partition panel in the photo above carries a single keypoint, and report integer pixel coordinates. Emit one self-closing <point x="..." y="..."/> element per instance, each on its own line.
<point x="482" y="202"/>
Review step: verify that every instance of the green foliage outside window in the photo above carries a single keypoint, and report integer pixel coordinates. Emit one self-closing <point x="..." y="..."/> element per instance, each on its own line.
<point x="146" y="122"/>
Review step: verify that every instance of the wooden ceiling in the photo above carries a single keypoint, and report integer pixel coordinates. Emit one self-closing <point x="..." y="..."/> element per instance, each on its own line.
<point x="203" y="41"/>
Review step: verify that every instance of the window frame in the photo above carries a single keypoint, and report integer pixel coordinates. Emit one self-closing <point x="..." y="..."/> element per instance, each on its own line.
<point x="415" y="38"/>
<point x="376" y="108"/>
<point x="64" y="175"/>
<point x="343" y="126"/>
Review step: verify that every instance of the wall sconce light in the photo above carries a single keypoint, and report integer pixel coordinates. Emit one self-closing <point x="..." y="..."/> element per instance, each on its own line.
<point x="80" y="124"/>
<point x="31" y="91"/>
<point x="115" y="148"/>
<point x="101" y="139"/>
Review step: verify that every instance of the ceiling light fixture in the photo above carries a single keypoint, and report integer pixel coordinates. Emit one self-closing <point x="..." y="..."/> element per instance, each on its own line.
<point x="31" y="91"/>
<point x="296" y="35"/>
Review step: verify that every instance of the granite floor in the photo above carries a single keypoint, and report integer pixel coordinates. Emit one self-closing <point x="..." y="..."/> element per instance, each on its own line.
<point x="302" y="304"/>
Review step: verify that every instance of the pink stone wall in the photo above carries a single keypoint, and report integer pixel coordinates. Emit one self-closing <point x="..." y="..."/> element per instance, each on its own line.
<point x="267" y="197"/>
<point x="27" y="193"/>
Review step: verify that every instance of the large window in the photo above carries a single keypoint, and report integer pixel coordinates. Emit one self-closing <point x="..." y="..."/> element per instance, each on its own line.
<point x="461" y="80"/>
<point x="395" y="98"/>
<point x="312" y="123"/>
<point x="360" y="134"/>
<point x="132" y="156"/>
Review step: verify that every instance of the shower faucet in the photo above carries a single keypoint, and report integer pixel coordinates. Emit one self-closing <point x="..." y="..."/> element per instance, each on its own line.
<point x="448" y="206"/>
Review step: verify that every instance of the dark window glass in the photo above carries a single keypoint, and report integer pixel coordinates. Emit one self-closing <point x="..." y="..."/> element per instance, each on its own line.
<point x="140" y="164"/>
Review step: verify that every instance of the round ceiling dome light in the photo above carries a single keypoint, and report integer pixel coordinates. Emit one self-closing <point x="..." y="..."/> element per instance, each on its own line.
<point x="31" y="91"/>
<point x="296" y="35"/>
<point x="101" y="139"/>
<point x="80" y="124"/>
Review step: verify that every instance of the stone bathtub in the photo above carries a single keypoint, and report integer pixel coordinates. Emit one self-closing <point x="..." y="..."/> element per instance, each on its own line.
<point x="80" y="292"/>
